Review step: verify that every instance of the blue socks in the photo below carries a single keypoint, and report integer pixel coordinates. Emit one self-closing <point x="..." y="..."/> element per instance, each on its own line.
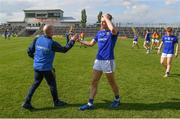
<point x="117" y="98"/>
<point x="90" y="103"/>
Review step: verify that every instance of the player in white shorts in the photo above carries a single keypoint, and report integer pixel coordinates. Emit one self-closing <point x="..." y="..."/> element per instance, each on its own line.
<point x="147" y="42"/>
<point x="104" y="63"/>
<point x="135" y="41"/>
<point x="169" y="41"/>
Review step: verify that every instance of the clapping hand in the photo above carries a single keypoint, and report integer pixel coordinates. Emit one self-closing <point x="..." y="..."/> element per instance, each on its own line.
<point x="75" y="37"/>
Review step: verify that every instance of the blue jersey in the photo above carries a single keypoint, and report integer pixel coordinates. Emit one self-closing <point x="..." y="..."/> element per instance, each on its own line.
<point x="135" y="38"/>
<point x="169" y="42"/>
<point x="148" y="37"/>
<point x="106" y="43"/>
<point x="43" y="51"/>
<point x="44" y="55"/>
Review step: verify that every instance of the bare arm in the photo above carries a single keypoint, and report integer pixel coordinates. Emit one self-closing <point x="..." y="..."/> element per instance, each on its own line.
<point x="159" y="48"/>
<point x="145" y="36"/>
<point x="110" y="25"/>
<point x="177" y="50"/>
<point x="88" y="43"/>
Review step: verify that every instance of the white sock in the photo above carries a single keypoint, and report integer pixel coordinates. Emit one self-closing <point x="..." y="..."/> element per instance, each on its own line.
<point x="89" y="104"/>
<point x="117" y="99"/>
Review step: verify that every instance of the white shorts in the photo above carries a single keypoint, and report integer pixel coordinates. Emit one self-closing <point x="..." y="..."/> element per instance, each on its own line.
<point x="106" y="66"/>
<point x="166" y="55"/>
<point x="156" y="41"/>
<point x="147" y="42"/>
<point x="135" y="42"/>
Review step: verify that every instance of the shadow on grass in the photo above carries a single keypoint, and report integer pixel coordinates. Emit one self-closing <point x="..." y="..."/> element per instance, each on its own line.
<point x="175" y="99"/>
<point x="124" y="106"/>
<point x="174" y="75"/>
<point x="149" y="106"/>
<point x="55" y="108"/>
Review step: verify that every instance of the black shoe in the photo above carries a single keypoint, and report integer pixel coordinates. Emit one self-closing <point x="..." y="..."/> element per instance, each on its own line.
<point x="27" y="105"/>
<point x="59" y="103"/>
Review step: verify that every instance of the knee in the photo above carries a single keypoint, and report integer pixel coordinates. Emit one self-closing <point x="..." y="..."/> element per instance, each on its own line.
<point x="94" y="83"/>
<point x="169" y="64"/>
<point x="35" y="84"/>
<point x="112" y="82"/>
<point x="162" y="63"/>
<point x="52" y="84"/>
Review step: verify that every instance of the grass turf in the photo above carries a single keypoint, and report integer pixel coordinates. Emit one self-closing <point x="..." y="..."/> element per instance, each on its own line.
<point x="144" y="91"/>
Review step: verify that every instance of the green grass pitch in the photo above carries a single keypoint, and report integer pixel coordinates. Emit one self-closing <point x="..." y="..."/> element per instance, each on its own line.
<point x="144" y="91"/>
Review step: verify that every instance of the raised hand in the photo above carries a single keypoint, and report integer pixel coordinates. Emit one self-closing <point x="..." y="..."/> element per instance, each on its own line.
<point x="75" y="37"/>
<point x="106" y="16"/>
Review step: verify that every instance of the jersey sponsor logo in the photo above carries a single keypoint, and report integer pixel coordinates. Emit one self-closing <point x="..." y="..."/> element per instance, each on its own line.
<point x="107" y="33"/>
<point x="102" y="39"/>
<point x="42" y="48"/>
<point x="168" y="41"/>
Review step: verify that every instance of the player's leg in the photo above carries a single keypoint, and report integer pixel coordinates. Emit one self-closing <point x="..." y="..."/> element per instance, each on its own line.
<point x="152" y="44"/>
<point x="137" y="45"/>
<point x="38" y="77"/>
<point x="148" y="46"/>
<point x="144" y="45"/>
<point x="8" y="37"/>
<point x="157" y="43"/>
<point x="115" y="89"/>
<point x="133" y="44"/>
<point x="163" y="60"/>
<point x="112" y="82"/>
<point x="94" y="84"/>
<point x="169" y="62"/>
<point x="93" y="90"/>
<point x="109" y="68"/>
<point x="51" y="81"/>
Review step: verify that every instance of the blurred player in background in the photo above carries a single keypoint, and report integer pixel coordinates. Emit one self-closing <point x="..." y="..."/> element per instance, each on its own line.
<point x="169" y="41"/>
<point x="7" y="34"/>
<point x="155" y="40"/>
<point x="147" y="41"/>
<point x="81" y="35"/>
<point x="135" y="41"/>
<point x="69" y="34"/>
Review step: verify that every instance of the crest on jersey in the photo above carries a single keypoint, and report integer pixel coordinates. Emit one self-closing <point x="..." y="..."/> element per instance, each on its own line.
<point x="107" y="33"/>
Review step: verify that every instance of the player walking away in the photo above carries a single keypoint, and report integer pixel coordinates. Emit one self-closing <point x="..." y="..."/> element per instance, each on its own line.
<point x="43" y="51"/>
<point x="147" y="42"/>
<point x="6" y="34"/>
<point x="155" y="40"/>
<point x="135" y="41"/>
<point x="69" y="34"/>
<point x="82" y="39"/>
<point x="169" y="41"/>
<point x="104" y="63"/>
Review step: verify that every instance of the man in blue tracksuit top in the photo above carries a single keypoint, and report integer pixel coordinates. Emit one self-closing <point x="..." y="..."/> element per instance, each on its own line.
<point x="43" y="51"/>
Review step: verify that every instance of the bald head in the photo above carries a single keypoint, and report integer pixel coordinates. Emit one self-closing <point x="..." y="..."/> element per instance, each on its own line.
<point x="48" y="30"/>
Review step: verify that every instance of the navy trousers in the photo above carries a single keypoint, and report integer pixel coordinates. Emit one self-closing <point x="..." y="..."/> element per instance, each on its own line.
<point x="50" y="79"/>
